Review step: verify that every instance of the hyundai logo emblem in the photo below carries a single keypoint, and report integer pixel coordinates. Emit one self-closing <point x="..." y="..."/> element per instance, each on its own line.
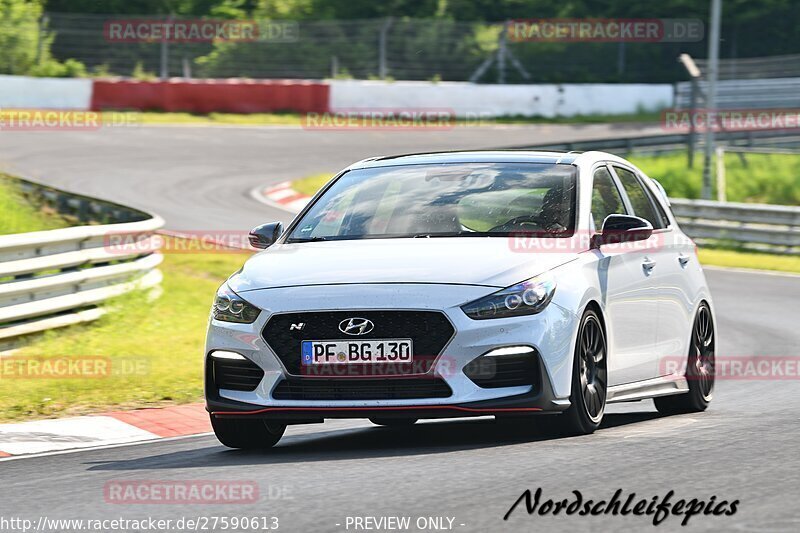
<point x="356" y="326"/>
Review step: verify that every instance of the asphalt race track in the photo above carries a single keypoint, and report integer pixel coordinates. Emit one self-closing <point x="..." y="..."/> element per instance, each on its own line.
<point x="200" y="178"/>
<point x="744" y="447"/>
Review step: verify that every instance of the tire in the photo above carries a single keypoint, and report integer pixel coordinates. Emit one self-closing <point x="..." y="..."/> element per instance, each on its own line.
<point x="699" y="369"/>
<point x="247" y="434"/>
<point x="589" y="380"/>
<point x="393" y="422"/>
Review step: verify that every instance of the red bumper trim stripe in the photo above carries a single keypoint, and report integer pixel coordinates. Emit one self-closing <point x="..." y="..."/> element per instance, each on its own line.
<point x="386" y="408"/>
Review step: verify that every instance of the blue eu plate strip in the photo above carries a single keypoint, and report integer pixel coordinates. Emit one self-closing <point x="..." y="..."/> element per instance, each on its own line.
<point x="306" y="353"/>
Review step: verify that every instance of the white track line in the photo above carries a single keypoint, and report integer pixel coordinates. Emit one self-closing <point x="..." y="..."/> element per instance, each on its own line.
<point x="103" y="447"/>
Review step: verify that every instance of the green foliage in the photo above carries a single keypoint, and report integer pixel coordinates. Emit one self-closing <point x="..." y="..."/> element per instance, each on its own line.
<point x="149" y="7"/>
<point x="18" y="214"/>
<point x="101" y="71"/>
<point x="139" y="73"/>
<point x="51" y="68"/>
<point x="19" y="35"/>
<point x="438" y="45"/>
<point x="453" y="39"/>
<point x="25" y="44"/>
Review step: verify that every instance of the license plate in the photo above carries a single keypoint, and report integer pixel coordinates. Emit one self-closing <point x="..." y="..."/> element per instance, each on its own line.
<point x="356" y="352"/>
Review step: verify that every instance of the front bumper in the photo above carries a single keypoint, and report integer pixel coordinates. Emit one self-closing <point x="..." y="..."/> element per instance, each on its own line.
<point x="551" y="333"/>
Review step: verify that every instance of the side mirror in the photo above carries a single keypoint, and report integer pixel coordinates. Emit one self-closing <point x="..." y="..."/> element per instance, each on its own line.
<point x="265" y="235"/>
<point x="622" y="228"/>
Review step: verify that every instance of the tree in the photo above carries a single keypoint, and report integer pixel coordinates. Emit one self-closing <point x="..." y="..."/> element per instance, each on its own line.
<point x="19" y="35"/>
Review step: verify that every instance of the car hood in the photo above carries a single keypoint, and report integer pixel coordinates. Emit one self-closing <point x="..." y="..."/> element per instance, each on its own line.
<point x="489" y="262"/>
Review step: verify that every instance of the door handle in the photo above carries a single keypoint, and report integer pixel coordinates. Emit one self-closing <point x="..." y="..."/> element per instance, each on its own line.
<point x="648" y="265"/>
<point x="683" y="260"/>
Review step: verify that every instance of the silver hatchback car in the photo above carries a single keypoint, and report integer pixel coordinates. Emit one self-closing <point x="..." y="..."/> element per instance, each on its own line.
<point x="500" y="283"/>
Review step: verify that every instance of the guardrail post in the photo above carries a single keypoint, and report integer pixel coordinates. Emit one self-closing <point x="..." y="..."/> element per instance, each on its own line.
<point x="83" y="210"/>
<point x="383" y="68"/>
<point x="721" y="186"/>
<point x="711" y="92"/>
<point x="41" y="38"/>
<point x="164" y="74"/>
<point x="692" y="140"/>
<point x="62" y="203"/>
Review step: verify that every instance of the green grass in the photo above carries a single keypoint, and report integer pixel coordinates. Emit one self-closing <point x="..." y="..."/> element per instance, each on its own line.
<point x="640" y="116"/>
<point x="252" y="119"/>
<point x="19" y="215"/>
<point x="765" y="178"/>
<point x="752" y="260"/>
<point x="311" y="184"/>
<point x="163" y="336"/>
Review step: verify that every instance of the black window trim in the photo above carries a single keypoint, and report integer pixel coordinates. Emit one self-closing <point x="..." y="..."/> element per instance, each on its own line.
<point x="659" y="198"/>
<point x="615" y="180"/>
<point x="648" y="193"/>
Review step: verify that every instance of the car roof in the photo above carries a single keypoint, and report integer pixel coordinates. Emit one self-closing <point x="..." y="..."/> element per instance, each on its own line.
<point x="475" y="156"/>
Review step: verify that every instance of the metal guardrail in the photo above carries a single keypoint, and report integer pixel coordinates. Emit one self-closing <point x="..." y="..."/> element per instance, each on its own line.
<point x="774" y="93"/>
<point x="666" y="141"/>
<point x="56" y="278"/>
<point x="775" y="228"/>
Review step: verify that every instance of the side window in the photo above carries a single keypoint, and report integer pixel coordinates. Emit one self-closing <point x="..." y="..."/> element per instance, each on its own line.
<point x="657" y="202"/>
<point x="605" y="197"/>
<point x="639" y="198"/>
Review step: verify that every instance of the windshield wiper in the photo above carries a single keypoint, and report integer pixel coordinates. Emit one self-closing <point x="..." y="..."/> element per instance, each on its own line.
<point x="307" y="239"/>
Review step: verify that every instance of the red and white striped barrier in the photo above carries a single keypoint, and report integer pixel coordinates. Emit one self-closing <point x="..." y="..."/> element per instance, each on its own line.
<point x="306" y="96"/>
<point x="285" y="197"/>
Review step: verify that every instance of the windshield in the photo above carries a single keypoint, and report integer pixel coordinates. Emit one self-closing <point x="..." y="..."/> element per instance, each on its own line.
<point x="444" y="200"/>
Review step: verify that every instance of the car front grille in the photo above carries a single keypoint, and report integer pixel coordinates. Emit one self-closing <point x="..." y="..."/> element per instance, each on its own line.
<point x="361" y="389"/>
<point x="231" y="374"/>
<point x="430" y="331"/>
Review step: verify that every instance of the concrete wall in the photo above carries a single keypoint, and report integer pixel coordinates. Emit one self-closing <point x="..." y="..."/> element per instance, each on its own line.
<point x="465" y="99"/>
<point x="247" y="96"/>
<point x="45" y="93"/>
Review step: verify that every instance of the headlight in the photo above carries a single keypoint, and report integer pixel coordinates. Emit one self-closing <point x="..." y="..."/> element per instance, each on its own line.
<point x="526" y="298"/>
<point x="228" y="307"/>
